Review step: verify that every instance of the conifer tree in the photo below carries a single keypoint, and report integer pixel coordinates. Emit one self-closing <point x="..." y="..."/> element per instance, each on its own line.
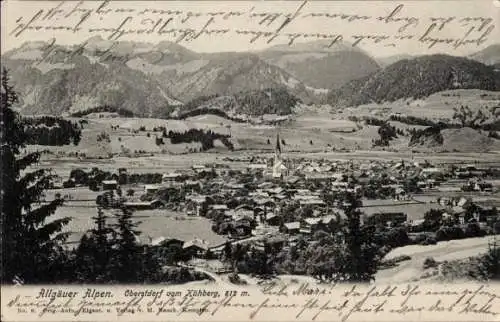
<point x="362" y="255"/>
<point x="127" y="260"/>
<point x="94" y="252"/>
<point x="31" y="242"/>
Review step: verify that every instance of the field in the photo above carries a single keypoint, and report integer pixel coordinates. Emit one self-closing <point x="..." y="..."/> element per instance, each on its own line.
<point x="152" y="223"/>
<point x="435" y="107"/>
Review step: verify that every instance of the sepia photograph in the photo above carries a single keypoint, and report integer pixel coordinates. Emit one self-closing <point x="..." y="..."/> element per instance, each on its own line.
<point x="249" y="144"/>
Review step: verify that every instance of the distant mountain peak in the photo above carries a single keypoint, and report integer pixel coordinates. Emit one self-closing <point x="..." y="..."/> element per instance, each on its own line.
<point x="320" y="67"/>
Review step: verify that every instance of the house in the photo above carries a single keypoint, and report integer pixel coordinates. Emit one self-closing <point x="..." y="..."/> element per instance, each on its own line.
<point x="241" y="229"/>
<point x="195" y="248"/>
<point x="275" y="240"/>
<point x="216" y="210"/>
<point x="273" y="219"/>
<point x="484" y="186"/>
<point x="329" y="219"/>
<point x="313" y="202"/>
<point x="192" y="185"/>
<point x="312" y="224"/>
<point x="171" y="177"/>
<point x="166" y="242"/>
<point x="257" y="167"/>
<point x="218" y="207"/>
<point x="338" y="186"/>
<point x="292" y="180"/>
<point x="143" y="205"/>
<point x="151" y="188"/>
<point x="266" y="202"/>
<point x="434" y="172"/>
<point x="291" y="227"/>
<point x="245" y="206"/>
<point x="338" y="213"/>
<point x="195" y="203"/>
<point x="109" y="185"/>
<point x="416" y="225"/>
<point x="319" y="177"/>
<point x="240" y="214"/>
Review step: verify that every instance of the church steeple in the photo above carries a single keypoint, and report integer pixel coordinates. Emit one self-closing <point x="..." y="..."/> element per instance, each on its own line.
<point x="278" y="165"/>
<point x="277" y="151"/>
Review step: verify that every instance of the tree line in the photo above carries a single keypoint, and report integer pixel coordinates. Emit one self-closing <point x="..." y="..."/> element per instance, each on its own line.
<point x="95" y="176"/>
<point x="195" y="135"/>
<point x="104" y="109"/>
<point x="208" y="110"/>
<point x="51" y="130"/>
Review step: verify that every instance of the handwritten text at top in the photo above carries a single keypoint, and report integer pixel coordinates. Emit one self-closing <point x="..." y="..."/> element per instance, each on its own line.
<point x="114" y="22"/>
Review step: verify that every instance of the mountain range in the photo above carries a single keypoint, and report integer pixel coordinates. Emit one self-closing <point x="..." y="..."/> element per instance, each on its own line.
<point x="417" y="78"/>
<point x="151" y="79"/>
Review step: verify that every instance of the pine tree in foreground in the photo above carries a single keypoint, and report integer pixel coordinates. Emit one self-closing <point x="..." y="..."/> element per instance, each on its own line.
<point x="127" y="261"/>
<point x="362" y="254"/>
<point x="31" y="242"/>
<point x="94" y="252"/>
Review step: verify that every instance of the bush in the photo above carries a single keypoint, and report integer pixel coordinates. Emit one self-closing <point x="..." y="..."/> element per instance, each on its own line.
<point x="422" y="237"/>
<point x="396" y="237"/>
<point x="69" y="184"/>
<point x="430" y="263"/>
<point x="431" y="241"/>
<point x="236" y="279"/>
<point x="473" y="230"/>
<point x="494" y="135"/>
<point x="393" y="261"/>
<point x="449" y="233"/>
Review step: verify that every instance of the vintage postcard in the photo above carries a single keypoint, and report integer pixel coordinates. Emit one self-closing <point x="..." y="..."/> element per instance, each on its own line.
<point x="250" y="160"/>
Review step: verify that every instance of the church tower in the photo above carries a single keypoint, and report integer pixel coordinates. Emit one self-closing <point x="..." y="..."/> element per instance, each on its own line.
<point x="278" y="165"/>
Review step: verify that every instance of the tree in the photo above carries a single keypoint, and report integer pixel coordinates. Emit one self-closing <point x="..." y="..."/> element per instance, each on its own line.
<point x="31" y="242"/>
<point x="433" y="219"/>
<point x="467" y="118"/>
<point x="362" y="254"/>
<point x="94" y="252"/>
<point x="386" y="133"/>
<point x="227" y="251"/>
<point x="79" y="176"/>
<point x="127" y="261"/>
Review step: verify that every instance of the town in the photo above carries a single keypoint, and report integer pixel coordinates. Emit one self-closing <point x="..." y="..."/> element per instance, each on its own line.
<point x="278" y="204"/>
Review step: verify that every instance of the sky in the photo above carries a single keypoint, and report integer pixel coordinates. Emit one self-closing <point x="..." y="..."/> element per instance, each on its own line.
<point x="16" y="13"/>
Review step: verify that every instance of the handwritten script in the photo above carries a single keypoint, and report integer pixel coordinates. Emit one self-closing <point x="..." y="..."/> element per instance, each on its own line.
<point x="395" y="26"/>
<point x="296" y="301"/>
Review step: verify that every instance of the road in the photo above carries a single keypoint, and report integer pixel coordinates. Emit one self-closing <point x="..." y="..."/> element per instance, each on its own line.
<point x="450" y="250"/>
